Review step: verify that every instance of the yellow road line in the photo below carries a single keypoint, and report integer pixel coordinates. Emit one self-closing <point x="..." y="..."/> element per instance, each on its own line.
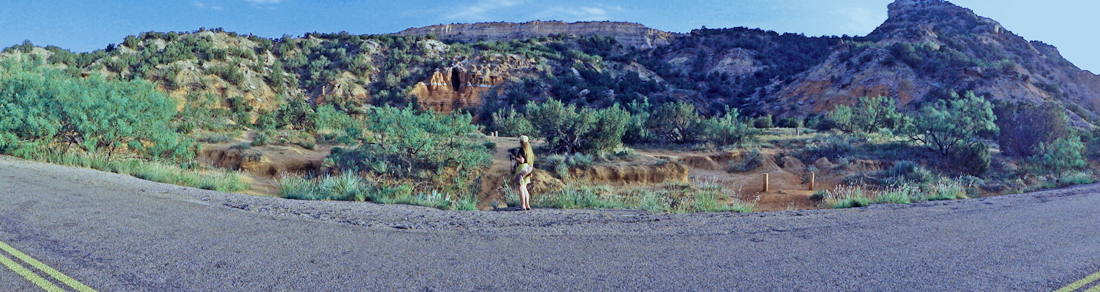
<point x="29" y="275"/>
<point x="1094" y="289"/>
<point x="44" y="268"/>
<point x="1081" y="283"/>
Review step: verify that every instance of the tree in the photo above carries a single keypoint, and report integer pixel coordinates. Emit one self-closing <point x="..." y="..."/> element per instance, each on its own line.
<point x="869" y="115"/>
<point x="675" y="122"/>
<point x="728" y="129"/>
<point x="569" y="129"/>
<point x="946" y="126"/>
<point x="42" y="106"/>
<point x="1024" y="127"/>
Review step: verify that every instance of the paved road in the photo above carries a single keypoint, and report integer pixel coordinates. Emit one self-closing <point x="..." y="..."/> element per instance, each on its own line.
<point x="117" y="233"/>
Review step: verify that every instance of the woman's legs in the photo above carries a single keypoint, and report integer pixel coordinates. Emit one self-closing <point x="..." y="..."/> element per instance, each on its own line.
<point x="525" y="196"/>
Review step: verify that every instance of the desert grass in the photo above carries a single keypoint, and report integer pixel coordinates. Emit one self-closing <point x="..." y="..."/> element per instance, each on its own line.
<point x="351" y="187"/>
<point x="672" y="197"/>
<point x="856" y="196"/>
<point x="1065" y="179"/>
<point x="210" y="179"/>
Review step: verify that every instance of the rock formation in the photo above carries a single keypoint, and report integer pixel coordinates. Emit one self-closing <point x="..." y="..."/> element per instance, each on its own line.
<point x="456" y="87"/>
<point x="628" y="34"/>
<point x="976" y="54"/>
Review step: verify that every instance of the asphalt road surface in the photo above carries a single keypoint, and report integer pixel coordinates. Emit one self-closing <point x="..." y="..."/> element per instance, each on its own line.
<point x="117" y="233"/>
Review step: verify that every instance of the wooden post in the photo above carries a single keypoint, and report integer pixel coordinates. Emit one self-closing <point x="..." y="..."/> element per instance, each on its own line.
<point x="812" y="177"/>
<point x="765" y="183"/>
<point x="798" y="131"/>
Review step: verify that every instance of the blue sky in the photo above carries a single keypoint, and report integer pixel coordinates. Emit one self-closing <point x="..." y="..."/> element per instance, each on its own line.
<point x="92" y="24"/>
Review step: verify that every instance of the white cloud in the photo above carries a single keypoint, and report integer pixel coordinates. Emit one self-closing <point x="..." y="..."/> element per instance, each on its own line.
<point x="857" y="20"/>
<point x="264" y="1"/>
<point x="198" y="4"/>
<point x="479" y="11"/>
<point x="216" y="7"/>
<point x="585" y="13"/>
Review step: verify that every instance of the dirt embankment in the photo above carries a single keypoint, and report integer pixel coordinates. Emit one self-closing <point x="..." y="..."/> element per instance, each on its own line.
<point x="265" y="165"/>
<point x="788" y="176"/>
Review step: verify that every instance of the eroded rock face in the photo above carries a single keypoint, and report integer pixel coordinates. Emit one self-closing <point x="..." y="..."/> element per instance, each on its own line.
<point x="628" y="34"/>
<point x="467" y="81"/>
<point x="456" y="87"/>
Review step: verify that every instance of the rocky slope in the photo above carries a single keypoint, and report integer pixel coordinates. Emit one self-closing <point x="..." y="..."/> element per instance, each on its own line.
<point x="628" y="34"/>
<point x="930" y="47"/>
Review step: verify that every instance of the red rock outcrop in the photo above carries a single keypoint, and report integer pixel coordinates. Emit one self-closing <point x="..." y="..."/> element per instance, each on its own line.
<point x="455" y="87"/>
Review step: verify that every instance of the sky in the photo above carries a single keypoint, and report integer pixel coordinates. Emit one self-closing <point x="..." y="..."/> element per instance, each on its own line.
<point x="86" y="25"/>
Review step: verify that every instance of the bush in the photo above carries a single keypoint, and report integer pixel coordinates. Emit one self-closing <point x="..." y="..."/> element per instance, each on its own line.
<point x="402" y="143"/>
<point x="728" y="129"/>
<point x="868" y="116"/>
<point x="973" y="159"/>
<point x="764" y="122"/>
<point x="260" y="139"/>
<point x="908" y="172"/>
<point x="750" y="162"/>
<point x="792" y="122"/>
<point x="509" y="123"/>
<point x="44" y="106"/>
<point x="946" y="126"/>
<point x="675" y="122"/>
<point x="568" y="129"/>
<point x="831" y="147"/>
<point x="1063" y="155"/>
<point x="1023" y="127"/>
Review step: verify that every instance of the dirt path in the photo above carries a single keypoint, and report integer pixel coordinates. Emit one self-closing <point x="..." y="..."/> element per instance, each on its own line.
<point x="788" y="186"/>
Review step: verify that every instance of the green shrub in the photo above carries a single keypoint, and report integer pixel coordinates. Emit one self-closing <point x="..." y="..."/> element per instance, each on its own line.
<point x="260" y="139"/>
<point x="727" y="129"/>
<point x="1063" y="155"/>
<point x="568" y="129"/>
<point x="973" y="159"/>
<point x="907" y="172"/>
<point x="763" y="122"/>
<point x="509" y="123"/>
<point x="868" y="116"/>
<point x="39" y="104"/>
<point x="403" y="143"/>
<point x="947" y="126"/>
<point x="675" y="122"/>
<point x="750" y="162"/>
<point x="831" y="146"/>
<point x="792" y="122"/>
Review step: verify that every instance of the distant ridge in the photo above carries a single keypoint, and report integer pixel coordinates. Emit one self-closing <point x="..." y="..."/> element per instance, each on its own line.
<point x="627" y="33"/>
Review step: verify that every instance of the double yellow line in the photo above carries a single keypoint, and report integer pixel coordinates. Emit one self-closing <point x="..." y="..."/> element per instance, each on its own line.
<point x="1082" y="283"/>
<point x="30" y="275"/>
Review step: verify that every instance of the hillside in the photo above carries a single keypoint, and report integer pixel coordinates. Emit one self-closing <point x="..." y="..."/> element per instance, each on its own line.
<point x="627" y="34"/>
<point x="929" y="49"/>
<point x="926" y="50"/>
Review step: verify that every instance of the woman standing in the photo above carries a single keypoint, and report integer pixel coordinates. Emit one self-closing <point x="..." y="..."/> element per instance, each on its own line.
<point x="522" y="177"/>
